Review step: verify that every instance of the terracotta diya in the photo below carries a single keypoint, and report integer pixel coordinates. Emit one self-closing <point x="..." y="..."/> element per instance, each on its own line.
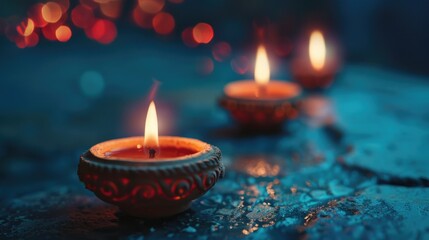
<point x="315" y="67"/>
<point x="261" y="104"/>
<point x="151" y="176"/>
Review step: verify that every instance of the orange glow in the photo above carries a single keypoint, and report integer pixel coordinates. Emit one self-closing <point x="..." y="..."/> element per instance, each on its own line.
<point x="63" y="33"/>
<point x="151" y="127"/>
<point x="317" y="50"/>
<point x="163" y="23"/>
<point x="187" y="37"/>
<point x="26" y="27"/>
<point x="82" y="16"/>
<point x="262" y="67"/>
<point x="142" y="19"/>
<point x="103" y="31"/>
<point x="51" y="12"/>
<point x="203" y="33"/>
<point x="151" y="6"/>
<point x="35" y="13"/>
<point x="111" y="9"/>
<point x="221" y="51"/>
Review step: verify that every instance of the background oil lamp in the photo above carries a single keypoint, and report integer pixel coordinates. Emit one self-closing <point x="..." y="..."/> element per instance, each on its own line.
<point x="315" y="65"/>
<point x="151" y="176"/>
<point x="261" y="104"/>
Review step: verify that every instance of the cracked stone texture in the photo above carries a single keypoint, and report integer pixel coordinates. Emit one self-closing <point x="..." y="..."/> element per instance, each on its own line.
<point x="355" y="170"/>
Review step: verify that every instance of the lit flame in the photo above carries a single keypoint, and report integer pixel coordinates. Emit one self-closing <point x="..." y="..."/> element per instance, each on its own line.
<point x="317" y="50"/>
<point x="262" y="67"/>
<point x="151" y="128"/>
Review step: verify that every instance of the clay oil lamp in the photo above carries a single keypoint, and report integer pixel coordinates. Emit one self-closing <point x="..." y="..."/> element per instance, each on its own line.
<point x="151" y="176"/>
<point x="315" y="65"/>
<point x="261" y="104"/>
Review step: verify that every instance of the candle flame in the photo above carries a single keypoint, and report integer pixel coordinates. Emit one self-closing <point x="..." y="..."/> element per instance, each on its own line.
<point x="151" y="128"/>
<point x="262" y="67"/>
<point x="317" y="50"/>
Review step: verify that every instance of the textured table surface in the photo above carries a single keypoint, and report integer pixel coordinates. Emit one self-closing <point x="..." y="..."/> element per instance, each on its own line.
<point x="365" y="175"/>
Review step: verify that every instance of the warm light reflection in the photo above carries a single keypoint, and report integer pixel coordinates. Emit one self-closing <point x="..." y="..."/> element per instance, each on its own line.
<point x="263" y="169"/>
<point x="262" y="67"/>
<point x="51" y="12"/>
<point x="317" y="50"/>
<point x="151" y="128"/>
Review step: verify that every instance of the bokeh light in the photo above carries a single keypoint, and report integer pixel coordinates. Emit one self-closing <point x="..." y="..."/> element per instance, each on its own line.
<point x="111" y="9"/>
<point x="240" y="65"/>
<point x="63" y="33"/>
<point x="188" y="38"/>
<point x="163" y="23"/>
<point x="64" y="4"/>
<point x="51" y="12"/>
<point x="29" y="41"/>
<point x="151" y="6"/>
<point x="26" y="27"/>
<point x="203" y="33"/>
<point x="103" y="31"/>
<point x="49" y="31"/>
<point x="82" y="16"/>
<point x="142" y="19"/>
<point x="205" y="66"/>
<point x="92" y="83"/>
<point x="35" y="13"/>
<point x="221" y="51"/>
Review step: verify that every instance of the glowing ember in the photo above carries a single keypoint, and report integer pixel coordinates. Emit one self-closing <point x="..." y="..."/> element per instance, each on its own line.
<point x="151" y="128"/>
<point x="51" y="12"/>
<point x="163" y="23"/>
<point x="82" y="16"/>
<point x="317" y="50"/>
<point x="203" y="33"/>
<point x="151" y="6"/>
<point x="26" y="27"/>
<point x="262" y="67"/>
<point x="63" y="33"/>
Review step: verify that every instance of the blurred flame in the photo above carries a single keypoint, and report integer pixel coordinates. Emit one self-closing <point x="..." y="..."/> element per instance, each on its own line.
<point x="262" y="67"/>
<point x="317" y="50"/>
<point x="151" y="127"/>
